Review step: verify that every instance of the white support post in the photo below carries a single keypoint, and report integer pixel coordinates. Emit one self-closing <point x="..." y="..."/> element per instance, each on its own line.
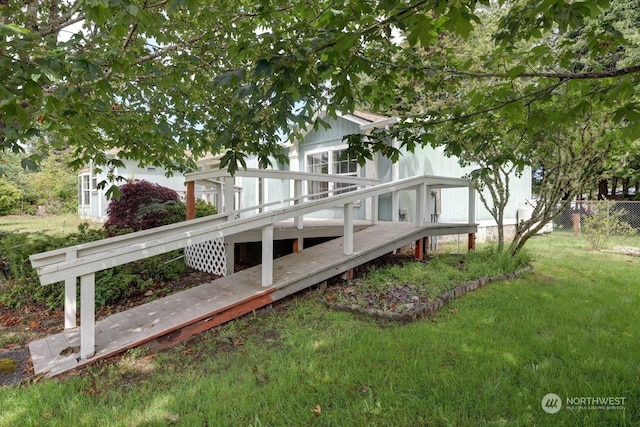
<point x="87" y="316"/>
<point x="267" y="255"/>
<point x="70" y="296"/>
<point x="229" y="193"/>
<point x="472" y="205"/>
<point x="230" y="254"/>
<point x="348" y="228"/>
<point x="421" y="192"/>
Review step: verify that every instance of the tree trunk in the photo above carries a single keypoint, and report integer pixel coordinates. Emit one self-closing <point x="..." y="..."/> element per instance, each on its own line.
<point x="614" y="187"/>
<point x="500" y="230"/>
<point x="603" y="189"/>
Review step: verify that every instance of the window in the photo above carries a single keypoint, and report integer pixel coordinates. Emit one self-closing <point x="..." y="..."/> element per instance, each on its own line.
<point x="343" y="166"/>
<point x="330" y="162"/>
<point x="84" y="189"/>
<point x="318" y="163"/>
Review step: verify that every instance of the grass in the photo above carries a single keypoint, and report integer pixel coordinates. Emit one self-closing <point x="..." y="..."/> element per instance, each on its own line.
<point x="570" y="328"/>
<point x="54" y="224"/>
<point x="441" y="273"/>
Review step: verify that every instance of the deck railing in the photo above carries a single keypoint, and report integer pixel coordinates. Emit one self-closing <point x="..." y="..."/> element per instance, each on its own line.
<point x="83" y="261"/>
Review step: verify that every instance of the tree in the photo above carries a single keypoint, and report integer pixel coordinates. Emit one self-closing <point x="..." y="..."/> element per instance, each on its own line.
<point x="552" y="103"/>
<point x="154" y="79"/>
<point x="53" y="186"/>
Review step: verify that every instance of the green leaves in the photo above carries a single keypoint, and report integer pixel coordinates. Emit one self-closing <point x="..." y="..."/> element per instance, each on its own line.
<point x="154" y="80"/>
<point x="231" y="160"/>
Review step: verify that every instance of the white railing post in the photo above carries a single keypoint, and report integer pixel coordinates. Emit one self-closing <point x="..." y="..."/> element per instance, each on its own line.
<point x="219" y="196"/>
<point x="87" y="316"/>
<point x="374" y="210"/>
<point x="229" y="196"/>
<point x="421" y="191"/>
<point x="297" y="193"/>
<point x="395" y="206"/>
<point x="229" y="206"/>
<point x="428" y="205"/>
<point x="267" y="255"/>
<point x="472" y="205"/>
<point x="70" y="296"/>
<point x="298" y="221"/>
<point x="348" y="228"/>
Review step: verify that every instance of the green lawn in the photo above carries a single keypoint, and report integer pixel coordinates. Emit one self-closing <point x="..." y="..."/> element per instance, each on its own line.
<point x="54" y="224"/>
<point x="571" y="328"/>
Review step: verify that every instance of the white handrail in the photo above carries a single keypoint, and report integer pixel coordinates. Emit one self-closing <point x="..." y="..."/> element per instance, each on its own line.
<point x="210" y="227"/>
<point x="276" y="174"/>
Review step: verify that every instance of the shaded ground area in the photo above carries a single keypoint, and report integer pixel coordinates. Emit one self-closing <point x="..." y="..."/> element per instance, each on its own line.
<point x="20" y="326"/>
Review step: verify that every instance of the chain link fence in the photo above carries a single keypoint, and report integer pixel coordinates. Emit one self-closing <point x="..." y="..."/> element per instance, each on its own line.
<point x="575" y="213"/>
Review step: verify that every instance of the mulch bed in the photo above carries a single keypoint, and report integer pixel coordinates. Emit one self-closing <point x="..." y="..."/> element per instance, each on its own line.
<point x="403" y="303"/>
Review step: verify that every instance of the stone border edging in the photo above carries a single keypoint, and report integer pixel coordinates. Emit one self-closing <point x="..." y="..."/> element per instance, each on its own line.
<point x="430" y="307"/>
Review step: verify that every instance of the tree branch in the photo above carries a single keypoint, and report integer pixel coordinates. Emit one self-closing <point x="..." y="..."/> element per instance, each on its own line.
<point x="64" y="21"/>
<point x="532" y="95"/>
<point x="167" y="49"/>
<point x="553" y="75"/>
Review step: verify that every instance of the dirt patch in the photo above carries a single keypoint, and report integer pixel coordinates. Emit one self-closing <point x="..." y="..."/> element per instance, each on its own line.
<point x="626" y="250"/>
<point x="20" y="366"/>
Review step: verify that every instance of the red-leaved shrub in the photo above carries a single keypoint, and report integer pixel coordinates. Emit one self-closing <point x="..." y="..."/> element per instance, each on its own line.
<point x="142" y="205"/>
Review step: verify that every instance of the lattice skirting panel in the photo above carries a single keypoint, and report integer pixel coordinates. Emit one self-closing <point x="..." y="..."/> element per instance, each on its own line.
<point x="209" y="256"/>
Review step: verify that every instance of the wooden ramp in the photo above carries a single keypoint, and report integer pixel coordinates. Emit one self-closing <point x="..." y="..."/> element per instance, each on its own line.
<point x="176" y="317"/>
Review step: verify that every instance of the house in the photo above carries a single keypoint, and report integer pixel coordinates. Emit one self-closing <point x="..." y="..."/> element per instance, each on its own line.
<point x="321" y="152"/>
<point x="92" y="201"/>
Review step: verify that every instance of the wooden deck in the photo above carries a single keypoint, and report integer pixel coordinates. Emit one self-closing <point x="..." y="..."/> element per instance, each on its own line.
<point x="313" y="227"/>
<point x="187" y="313"/>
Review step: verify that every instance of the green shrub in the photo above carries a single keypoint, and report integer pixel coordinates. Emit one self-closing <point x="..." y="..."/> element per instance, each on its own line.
<point x="9" y="198"/>
<point x="23" y="286"/>
<point x="115" y="285"/>
<point x="603" y="223"/>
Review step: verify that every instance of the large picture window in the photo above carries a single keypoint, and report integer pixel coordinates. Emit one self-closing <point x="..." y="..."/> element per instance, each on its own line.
<point x="333" y="162"/>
